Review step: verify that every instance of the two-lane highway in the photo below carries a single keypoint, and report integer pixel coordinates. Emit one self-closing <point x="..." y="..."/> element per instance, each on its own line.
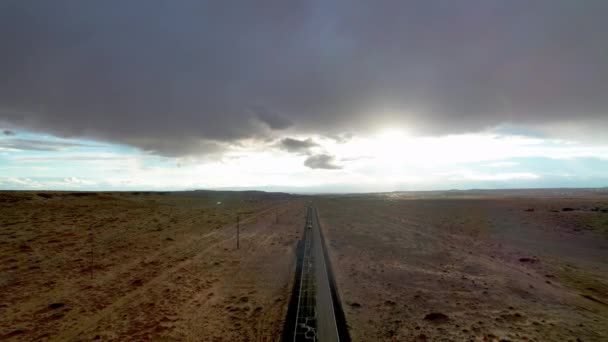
<point x="315" y="312"/>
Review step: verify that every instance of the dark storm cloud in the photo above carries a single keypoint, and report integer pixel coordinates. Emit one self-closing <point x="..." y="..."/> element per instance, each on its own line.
<point x="273" y="120"/>
<point x="322" y="161"/>
<point x="179" y="77"/>
<point x="297" y="146"/>
<point x="38" y="145"/>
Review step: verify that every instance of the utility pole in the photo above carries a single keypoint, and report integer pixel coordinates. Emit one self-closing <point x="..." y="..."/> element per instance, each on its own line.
<point x="238" y="228"/>
<point x="92" y="251"/>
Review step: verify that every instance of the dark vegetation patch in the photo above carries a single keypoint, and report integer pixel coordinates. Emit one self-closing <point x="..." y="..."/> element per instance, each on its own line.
<point x="390" y="303"/>
<point x="421" y="338"/>
<point x="82" y="194"/>
<point x="593" y="299"/>
<point x="512" y="317"/>
<point x="25" y="248"/>
<point x="528" y="260"/>
<point x="54" y="306"/>
<point x="436" y="317"/>
<point x="355" y="305"/>
<point x="14" y="333"/>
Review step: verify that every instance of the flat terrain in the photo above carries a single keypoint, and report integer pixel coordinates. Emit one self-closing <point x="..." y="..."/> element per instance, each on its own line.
<point x="480" y="266"/>
<point x="146" y="266"/>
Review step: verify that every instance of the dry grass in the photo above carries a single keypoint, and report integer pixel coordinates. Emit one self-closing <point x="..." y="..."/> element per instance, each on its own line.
<point x="124" y="266"/>
<point x="163" y="267"/>
<point x="481" y="268"/>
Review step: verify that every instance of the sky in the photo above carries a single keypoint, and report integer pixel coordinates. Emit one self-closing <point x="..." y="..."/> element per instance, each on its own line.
<point x="303" y="96"/>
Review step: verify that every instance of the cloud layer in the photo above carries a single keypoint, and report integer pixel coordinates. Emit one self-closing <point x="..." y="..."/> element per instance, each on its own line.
<point x="182" y="78"/>
<point x="38" y="145"/>
<point x="322" y="161"/>
<point x="297" y="146"/>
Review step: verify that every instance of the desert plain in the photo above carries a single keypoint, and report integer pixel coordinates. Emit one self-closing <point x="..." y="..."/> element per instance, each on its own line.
<point x="527" y="265"/>
<point x="520" y="265"/>
<point x="145" y="266"/>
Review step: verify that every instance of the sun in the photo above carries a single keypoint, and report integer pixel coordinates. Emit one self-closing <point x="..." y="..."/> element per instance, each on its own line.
<point x="387" y="144"/>
<point x="392" y="135"/>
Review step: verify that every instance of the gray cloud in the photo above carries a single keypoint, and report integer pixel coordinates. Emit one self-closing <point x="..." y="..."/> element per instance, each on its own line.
<point x="38" y="145"/>
<point x="322" y="161"/>
<point x="297" y="146"/>
<point x="273" y="120"/>
<point x="180" y="78"/>
<point x="341" y="138"/>
<point x="355" y="158"/>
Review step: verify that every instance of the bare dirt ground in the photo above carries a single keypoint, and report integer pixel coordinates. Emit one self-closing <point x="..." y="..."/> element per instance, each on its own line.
<point x="145" y="266"/>
<point x="489" y="266"/>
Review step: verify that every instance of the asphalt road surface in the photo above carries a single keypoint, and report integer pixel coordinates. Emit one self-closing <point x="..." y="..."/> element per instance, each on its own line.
<point x="315" y="312"/>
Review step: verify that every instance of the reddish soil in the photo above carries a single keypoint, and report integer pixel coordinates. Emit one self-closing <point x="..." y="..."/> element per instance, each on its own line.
<point x="139" y="267"/>
<point x="469" y="266"/>
<point x="482" y="267"/>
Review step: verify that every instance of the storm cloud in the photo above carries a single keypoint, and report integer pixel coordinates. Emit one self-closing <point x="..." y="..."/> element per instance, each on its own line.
<point x="322" y="161"/>
<point x="189" y="77"/>
<point x="38" y="145"/>
<point x="297" y="146"/>
<point x="273" y="120"/>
